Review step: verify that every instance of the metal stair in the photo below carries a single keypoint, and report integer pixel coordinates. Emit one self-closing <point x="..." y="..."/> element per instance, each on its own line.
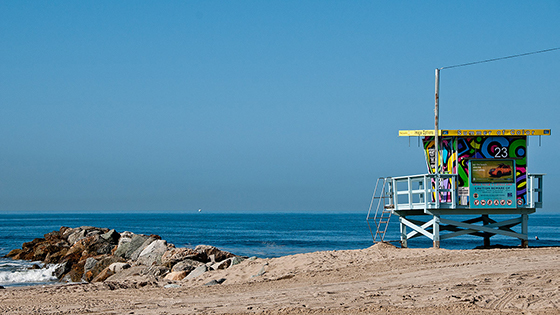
<point x="381" y="201"/>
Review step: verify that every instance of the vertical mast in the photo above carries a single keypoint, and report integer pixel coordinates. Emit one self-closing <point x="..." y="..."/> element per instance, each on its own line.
<point x="436" y="127"/>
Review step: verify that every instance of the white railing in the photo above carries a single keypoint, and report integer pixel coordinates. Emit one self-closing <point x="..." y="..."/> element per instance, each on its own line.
<point x="418" y="192"/>
<point x="535" y="190"/>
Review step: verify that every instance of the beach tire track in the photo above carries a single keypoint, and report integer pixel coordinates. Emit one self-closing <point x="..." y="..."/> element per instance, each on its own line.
<point x="503" y="300"/>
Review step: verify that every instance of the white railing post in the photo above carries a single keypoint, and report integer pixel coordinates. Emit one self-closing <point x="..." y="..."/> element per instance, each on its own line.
<point x="409" y="182"/>
<point x="437" y="192"/>
<point x="453" y="193"/>
<point x="427" y="194"/>
<point x="531" y="192"/>
<point x="395" y="194"/>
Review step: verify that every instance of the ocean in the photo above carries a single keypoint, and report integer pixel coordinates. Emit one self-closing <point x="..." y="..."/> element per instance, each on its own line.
<point x="242" y="233"/>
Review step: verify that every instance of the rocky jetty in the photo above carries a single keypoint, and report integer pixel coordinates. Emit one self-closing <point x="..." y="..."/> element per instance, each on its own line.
<point x="90" y="254"/>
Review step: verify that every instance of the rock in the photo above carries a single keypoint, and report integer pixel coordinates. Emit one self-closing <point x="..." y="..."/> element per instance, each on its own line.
<point x="131" y="245"/>
<point x="261" y="272"/>
<point x="123" y="245"/>
<point x="131" y="278"/>
<point x="175" y="255"/>
<point x="112" y="237"/>
<point x="77" y="235"/>
<point x="92" y="230"/>
<point x="32" y="244"/>
<point x="34" y="266"/>
<point x="62" y="269"/>
<point x="98" y="254"/>
<point x="143" y="241"/>
<point x="76" y="257"/>
<point x="167" y="286"/>
<point x="175" y="275"/>
<point x="187" y="265"/>
<point x="103" y="262"/>
<point x="76" y="272"/>
<point x="118" y="267"/>
<point x="105" y="247"/>
<point x="66" y="278"/>
<point x="236" y="260"/>
<point x="103" y="275"/>
<point x="224" y="264"/>
<point x="96" y="245"/>
<point x="90" y="264"/>
<point x="74" y="254"/>
<point x="152" y="253"/>
<point x="56" y="257"/>
<point x="197" y="272"/>
<point x="157" y="237"/>
<point x="63" y="232"/>
<point x="129" y="284"/>
<point x="54" y="237"/>
<point x="66" y="233"/>
<point x="35" y="250"/>
<point x="133" y="271"/>
<point x="214" y="282"/>
<point x="14" y="253"/>
<point x="155" y="271"/>
<point x="41" y="251"/>
<point x="211" y="250"/>
<point x="90" y="246"/>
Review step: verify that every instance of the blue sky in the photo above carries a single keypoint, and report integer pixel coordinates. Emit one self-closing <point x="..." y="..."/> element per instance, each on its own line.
<point x="257" y="105"/>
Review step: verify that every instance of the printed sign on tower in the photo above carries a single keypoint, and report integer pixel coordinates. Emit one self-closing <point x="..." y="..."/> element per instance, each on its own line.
<point x="492" y="183"/>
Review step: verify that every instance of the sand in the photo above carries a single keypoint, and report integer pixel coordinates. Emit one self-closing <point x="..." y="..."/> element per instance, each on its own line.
<point x="381" y="279"/>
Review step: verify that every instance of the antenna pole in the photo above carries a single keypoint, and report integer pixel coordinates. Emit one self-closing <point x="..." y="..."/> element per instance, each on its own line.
<point x="436" y="127"/>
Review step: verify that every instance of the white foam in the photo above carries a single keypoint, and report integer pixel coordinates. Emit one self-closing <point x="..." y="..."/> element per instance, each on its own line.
<point x="28" y="276"/>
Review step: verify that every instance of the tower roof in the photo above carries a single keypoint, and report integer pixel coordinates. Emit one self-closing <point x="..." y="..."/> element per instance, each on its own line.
<point x="476" y="132"/>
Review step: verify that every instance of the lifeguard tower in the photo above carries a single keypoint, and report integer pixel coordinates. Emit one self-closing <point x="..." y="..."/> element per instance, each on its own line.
<point x="472" y="173"/>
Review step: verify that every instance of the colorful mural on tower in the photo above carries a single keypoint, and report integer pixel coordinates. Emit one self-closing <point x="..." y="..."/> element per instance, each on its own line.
<point x="448" y="162"/>
<point x="456" y="151"/>
<point x="448" y="154"/>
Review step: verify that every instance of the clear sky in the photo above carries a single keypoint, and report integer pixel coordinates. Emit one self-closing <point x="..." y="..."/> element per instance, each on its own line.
<point x="257" y="105"/>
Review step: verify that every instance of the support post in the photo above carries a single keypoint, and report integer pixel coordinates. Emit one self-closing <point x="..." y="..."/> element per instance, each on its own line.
<point x="435" y="231"/>
<point x="436" y="143"/>
<point x="485" y="221"/>
<point x="404" y="243"/>
<point x="525" y="230"/>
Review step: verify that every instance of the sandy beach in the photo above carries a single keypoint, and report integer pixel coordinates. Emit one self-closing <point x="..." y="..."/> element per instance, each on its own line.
<point x="381" y="279"/>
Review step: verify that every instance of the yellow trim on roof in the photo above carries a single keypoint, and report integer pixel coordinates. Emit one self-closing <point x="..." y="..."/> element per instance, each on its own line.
<point x="476" y="132"/>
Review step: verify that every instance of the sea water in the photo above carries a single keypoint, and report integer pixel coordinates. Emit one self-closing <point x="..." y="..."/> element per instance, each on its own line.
<point x="246" y="234"/>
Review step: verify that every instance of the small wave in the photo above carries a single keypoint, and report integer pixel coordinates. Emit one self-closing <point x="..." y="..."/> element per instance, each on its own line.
<point x="8" y="264"/>
<point x="31" y="276"/>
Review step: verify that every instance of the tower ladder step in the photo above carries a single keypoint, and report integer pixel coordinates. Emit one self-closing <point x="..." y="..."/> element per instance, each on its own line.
<point x="381" y="203"/>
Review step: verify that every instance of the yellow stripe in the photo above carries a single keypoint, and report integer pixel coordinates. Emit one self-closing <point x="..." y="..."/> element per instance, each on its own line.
<point x="476" y="132"/>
